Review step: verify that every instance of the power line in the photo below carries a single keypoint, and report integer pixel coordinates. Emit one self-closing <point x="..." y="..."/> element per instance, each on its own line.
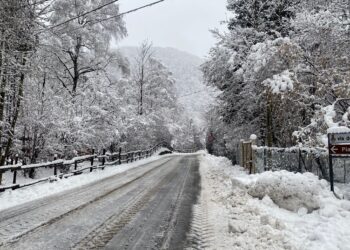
<point x="130" y="11"/>
<point x="105" y="19"/>
<point x="83" y="14"/>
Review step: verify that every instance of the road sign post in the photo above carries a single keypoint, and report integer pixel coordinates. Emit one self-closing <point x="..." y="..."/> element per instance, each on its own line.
<point x="339" y="147"/>
<point x="331" y="177"/>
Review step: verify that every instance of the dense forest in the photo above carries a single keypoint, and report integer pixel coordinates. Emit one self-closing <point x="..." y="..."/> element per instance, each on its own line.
<point x="283" y="71"/>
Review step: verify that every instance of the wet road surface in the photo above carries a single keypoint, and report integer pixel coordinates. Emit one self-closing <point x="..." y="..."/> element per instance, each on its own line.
<point x="148" y="207"/>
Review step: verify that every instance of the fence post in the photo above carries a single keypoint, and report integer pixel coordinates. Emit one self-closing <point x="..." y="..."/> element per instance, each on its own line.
<point x="103" y="159"/>
<point x="120" y="156"/>
<point x="15" y="171"/>
<point x="55" y="167"/>
<point x="92" y="159"/>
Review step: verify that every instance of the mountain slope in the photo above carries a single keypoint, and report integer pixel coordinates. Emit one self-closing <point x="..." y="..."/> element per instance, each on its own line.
<point x="193" y="94"/>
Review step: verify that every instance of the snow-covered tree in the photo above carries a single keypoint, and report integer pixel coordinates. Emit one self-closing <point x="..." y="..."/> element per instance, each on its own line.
<point x="278" y="66"/>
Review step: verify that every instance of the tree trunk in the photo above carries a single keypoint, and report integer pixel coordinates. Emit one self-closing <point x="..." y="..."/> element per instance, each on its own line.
<point x="15" y="116"/>
<point x="2" y="98"/>
<point x="141" y="98"/>
<point x="76" y="74"/>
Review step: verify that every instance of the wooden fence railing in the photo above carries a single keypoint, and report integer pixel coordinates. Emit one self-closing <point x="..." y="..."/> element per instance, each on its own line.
<point x="104" y="160"/>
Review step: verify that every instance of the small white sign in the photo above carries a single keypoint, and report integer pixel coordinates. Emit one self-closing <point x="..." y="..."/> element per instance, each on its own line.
<point x="339" y="139"/>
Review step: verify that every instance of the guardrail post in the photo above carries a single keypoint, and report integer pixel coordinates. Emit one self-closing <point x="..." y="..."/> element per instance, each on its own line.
<point x="92" y="159"/>
<point x="55" y="167"/>
<point x="103" y="159"/>
<point x="15" y="171"/>
<point x="120" y="156"/>
<point x="75" y="165"/>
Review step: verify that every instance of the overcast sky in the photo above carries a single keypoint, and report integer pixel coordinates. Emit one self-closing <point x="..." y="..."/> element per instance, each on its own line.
<point x="182" y="24"/>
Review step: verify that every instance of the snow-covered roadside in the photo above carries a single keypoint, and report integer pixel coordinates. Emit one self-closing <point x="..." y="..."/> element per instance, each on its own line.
<point x="343" y="189"/>
<point x="11" y="198"/>
<point x="246" y="211"/>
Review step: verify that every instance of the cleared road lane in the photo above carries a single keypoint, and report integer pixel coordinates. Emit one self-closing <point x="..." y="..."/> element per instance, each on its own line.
<point x="148" y="207"/>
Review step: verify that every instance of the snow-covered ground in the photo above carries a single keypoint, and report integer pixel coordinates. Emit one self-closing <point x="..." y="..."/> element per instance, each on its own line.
<point x="272" y="210"/>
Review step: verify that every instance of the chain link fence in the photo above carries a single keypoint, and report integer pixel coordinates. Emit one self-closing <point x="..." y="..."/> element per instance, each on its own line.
<point x="314" y="160"/>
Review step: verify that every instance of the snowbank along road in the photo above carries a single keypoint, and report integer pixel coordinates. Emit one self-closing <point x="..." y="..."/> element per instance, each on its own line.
<point x="148" y="207"/>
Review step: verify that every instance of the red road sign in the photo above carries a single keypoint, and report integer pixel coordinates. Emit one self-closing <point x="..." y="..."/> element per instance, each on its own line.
<point x="339" y="149"/>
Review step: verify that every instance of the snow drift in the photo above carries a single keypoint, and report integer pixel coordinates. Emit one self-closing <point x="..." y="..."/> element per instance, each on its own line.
<point x="289" y="190"/>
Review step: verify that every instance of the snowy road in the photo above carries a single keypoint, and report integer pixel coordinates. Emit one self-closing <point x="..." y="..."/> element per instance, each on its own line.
<point x="148" y="207"/>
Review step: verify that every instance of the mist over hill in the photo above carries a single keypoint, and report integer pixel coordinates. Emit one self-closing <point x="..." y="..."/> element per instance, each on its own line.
<point x="193" y="94"/>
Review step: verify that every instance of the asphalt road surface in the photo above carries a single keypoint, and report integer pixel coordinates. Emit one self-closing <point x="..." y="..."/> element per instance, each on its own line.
<point x="148" y="207"/>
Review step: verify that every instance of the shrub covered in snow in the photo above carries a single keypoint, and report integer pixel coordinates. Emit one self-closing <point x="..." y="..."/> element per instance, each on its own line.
<point x="289" y="190"/>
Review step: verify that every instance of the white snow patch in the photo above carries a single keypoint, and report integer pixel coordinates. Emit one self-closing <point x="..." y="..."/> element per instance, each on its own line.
<point x="253" y="137"/>
<point x="340" y="129"/>
<point x="236" y="221"/>
<point x="280" y="83"/>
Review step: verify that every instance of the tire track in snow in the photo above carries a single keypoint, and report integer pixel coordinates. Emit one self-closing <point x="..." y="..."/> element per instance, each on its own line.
<point x="99" y="237"/>
<point x="201" y="233"/>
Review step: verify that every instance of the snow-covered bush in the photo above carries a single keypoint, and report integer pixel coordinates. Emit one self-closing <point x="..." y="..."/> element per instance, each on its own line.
<point x="289" y="190"/>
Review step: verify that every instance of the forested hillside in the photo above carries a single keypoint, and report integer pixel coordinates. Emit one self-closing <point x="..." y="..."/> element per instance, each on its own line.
<point x="283" y="69"/>
<point x="193" y="95"/>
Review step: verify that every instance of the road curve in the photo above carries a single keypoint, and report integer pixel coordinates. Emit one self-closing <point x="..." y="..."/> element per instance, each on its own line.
<point x="148" y="207"/>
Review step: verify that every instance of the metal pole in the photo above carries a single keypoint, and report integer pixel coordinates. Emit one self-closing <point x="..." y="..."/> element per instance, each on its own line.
<point x="331" y="174"/>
